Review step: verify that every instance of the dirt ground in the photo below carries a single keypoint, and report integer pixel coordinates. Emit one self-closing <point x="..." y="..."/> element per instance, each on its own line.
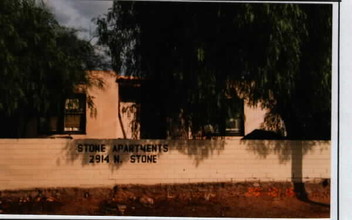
<point x="250" y="199"/>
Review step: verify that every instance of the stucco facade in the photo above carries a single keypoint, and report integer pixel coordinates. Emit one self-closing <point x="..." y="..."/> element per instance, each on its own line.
<point x="112" y="118"/>
<point x="107" y="123"/>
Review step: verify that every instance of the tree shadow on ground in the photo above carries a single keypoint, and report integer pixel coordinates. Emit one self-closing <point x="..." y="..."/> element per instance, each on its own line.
<point x="288" y="150"/>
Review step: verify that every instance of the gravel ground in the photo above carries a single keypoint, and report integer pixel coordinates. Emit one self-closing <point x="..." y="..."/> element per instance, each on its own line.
<point x="250" y="199"/>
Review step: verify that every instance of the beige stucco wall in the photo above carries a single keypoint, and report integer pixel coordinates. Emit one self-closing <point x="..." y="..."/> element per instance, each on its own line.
<point x="103" y="122"/>
<point x="129" y="121"/>
<point x="31" y="163"/>
<point x="253" y="118"/>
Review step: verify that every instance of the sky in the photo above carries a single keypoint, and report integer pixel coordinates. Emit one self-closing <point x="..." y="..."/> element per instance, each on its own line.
<point x="78" y="14"/>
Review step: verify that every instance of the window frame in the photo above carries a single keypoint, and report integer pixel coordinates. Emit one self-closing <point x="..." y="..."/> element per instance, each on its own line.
<point x="60" y="124"/>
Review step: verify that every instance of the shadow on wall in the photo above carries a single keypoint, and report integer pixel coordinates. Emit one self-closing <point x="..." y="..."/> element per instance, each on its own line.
<point x="95" y="151"/>
<point x="286" y="150"/>
<point x="199" y="150"/>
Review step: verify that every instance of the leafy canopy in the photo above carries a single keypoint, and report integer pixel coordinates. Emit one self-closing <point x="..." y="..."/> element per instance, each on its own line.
<point x="197" y="56"/>
<point x="41" y="62"/>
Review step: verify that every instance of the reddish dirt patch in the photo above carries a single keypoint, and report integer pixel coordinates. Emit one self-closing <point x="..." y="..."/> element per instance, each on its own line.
<point x="193" y="200"/>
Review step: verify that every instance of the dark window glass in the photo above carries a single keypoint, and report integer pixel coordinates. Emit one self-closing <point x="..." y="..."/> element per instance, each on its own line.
<point x="75" y="114"/>
<point x="234" y="117"/>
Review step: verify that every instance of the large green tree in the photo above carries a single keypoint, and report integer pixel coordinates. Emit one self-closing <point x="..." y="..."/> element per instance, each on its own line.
<point x="196" y="57"/>
<point x="40" y="64"/>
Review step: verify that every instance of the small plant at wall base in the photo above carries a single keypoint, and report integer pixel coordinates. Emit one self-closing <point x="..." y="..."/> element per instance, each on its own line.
<point x="41" y="62"/>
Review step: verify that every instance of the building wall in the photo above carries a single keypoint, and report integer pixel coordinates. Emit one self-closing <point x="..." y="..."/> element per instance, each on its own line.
<point x="103" y="120"/>
<point x="33" y="163"/>
<point x="106" y="123"/>
<point x="129" y="120"/>
<point x="254" y="118"/>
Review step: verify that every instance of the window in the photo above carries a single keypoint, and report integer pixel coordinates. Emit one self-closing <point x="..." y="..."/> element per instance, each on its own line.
<point x="72" y="120"/>
<point x="230" y="122"/>
<point x="75" y="114"/>
<point x="234" y="117"/>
